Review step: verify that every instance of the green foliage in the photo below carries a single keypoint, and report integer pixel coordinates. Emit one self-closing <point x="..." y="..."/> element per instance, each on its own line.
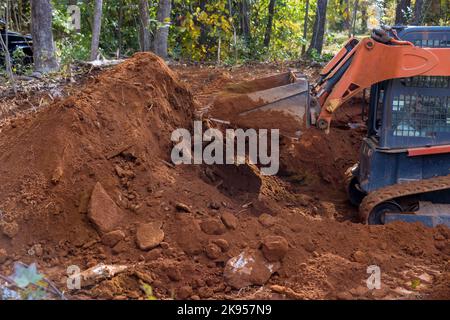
<point x="199" y="28"/>
<point x="28" y="283"/>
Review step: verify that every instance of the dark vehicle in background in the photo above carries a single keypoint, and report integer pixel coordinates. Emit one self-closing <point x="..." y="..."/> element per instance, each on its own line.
<point x="16" y="41"/>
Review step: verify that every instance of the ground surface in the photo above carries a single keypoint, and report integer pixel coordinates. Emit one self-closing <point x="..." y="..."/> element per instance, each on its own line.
<point x="86" y="179"/>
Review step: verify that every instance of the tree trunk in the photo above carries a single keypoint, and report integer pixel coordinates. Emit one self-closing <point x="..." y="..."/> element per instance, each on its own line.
<point x="162" y="32"/>
<point x="96" y="29"/>
<point x="347" y="16"/>
<point x="245" y="20"/>
<point x="144" y="25"/>
<point x="364" y="17"/>
<point x="354" y="16"/>
<point x="418" y="12"/>
<point x="269" y="26"/>
<point x="401" y="9"/>
<point x="305" y="26"/>
<point x="319" y="27"/>
<point x="41" y="30"/>
<point x="119" y="29"/>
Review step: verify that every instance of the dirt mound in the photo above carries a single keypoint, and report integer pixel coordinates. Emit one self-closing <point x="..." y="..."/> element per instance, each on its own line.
<point x="118" y="124"/>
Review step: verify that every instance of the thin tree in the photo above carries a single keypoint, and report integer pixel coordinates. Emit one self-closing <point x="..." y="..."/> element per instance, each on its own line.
<point x="401" y="12"/>
<point x="354" y="16"/>
<point x="144" y="26"/>
<point x="319" y="27"/>
<point x="364" y="17"/>
<point x="41" y="30"/>
<point x="7" y="56"/>
<point x="96" y="29"/>
<point x="347" y="16"/>
<point x="269" y="26"/>
<point x="162" y="31"/>
<point x="418" y="12"/>
<point x="305" y="27"/>
<point x="245" y="20"/>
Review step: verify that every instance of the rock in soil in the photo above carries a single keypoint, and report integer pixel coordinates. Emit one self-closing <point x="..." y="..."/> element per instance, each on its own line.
<point x="249" y="268"/>
<point x="184" y="292"/>
<point x="149" y="236"/>
<point x="112" y="238"/>
<point x="103" y="211"/>
<point x="213" y="251"/>
<point x="229" y="220"/>
<point x="213" y="227"/>
<point x="274" y="248"/>
<point x="10" y="229"/>
<point x="267" y="220"/>
<point x="182" y="207"/>
<point x="3" y="255"/>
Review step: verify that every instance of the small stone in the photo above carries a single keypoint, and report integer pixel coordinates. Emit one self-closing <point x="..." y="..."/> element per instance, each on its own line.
<point x="10" y="229"/>
<point x="57" y="175"/>
<point x="120" y="247"/>
<point x="112" y="238"/>
<point x="119" y="171"/>
<point x="229" y="220"/>
<point x="205" y="292"/>
<point x="344" y="296"/>
<point x="359" y="256"/>
<point x="309" y="246"/>
<point x="214" y="205"/>
<point x="359" y="291"/>
<point x="164" y="245"/>
<point x="103" y="211"/>
<point x="3" y="255"/>
<point x="143" y="276"/>
<point x="213" y="227"/>
<point x="182" y="207"/>
<point x="274" y="248"/>
<point x="267" y="220"/>
<point x="249" y="268"/>
<point x="213" y="251"/>
<point x="37" y="250"/>
<point x="149" y="235"/>
<point x="222" y="243"/>
<point x="153" y="254"/>
<point x="173" y="273"/>
<point x="184" y="292"/>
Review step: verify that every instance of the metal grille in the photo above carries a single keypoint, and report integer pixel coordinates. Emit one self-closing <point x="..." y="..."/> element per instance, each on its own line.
<point x="432" y="43"/>
<point x="426" y="82"/>
<point x="420" y="116"/>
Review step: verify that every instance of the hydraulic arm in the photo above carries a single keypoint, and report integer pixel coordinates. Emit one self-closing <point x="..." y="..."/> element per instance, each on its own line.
<point x="361" y="64"/>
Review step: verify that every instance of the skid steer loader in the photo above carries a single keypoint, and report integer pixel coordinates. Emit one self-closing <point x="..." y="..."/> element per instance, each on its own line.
<point x="404" y="168"/>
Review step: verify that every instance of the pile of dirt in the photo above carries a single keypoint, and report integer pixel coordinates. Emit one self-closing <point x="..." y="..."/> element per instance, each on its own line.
<point x="87" y="182"/>
<point x="315" y="161"/>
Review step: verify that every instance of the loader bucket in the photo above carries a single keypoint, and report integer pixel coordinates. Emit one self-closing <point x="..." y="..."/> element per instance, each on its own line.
<point x="275" y="102"/>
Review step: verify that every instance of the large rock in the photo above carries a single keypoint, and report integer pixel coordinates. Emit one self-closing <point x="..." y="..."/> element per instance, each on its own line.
<point x="149" y="235"/>
<point x="103" y="211"/>
<point x="274" y="248"/>
<point x="249" y="268"/>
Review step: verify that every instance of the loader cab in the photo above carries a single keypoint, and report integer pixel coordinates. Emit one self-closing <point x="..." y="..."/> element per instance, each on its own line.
<point x="405" y="114"/>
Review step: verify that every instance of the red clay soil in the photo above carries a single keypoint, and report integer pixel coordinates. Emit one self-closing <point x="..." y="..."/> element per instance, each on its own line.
<point x="114" y="135"/>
